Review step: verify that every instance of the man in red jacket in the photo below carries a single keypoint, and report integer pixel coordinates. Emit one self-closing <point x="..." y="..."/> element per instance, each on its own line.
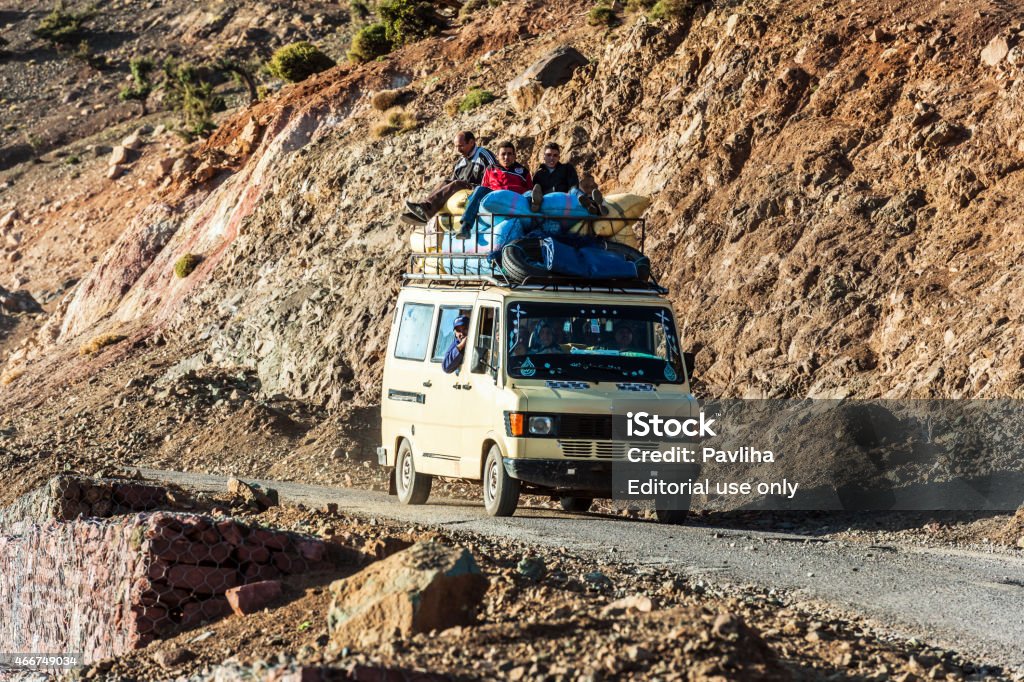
<point x="507" y="173"/>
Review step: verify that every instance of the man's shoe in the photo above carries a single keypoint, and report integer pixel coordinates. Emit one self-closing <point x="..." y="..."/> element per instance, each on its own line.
<point x="418" y="210"/>
<point x="410" y="218"/>
<point x="536" y="198"/>
<point x="588" y="203"/>
<point x="463" y="234"/>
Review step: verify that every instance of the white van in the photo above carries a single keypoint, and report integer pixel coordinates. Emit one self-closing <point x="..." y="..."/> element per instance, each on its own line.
<point x="530" y="408"/>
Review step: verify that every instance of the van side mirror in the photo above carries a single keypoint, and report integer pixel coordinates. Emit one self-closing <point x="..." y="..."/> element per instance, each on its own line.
<point x="480" y="356"/>
<point x="689" y="361"/>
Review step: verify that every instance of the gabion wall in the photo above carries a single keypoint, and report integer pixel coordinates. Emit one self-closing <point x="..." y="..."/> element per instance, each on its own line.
<point x="102" y="587"/>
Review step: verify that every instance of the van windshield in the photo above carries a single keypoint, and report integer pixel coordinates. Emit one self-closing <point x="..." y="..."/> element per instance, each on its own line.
<point x="564" y="341"/>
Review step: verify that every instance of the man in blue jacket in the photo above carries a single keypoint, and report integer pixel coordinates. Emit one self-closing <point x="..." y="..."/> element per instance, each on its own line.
<point x="457" y="350"/>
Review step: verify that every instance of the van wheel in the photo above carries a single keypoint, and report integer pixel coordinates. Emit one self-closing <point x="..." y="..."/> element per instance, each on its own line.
<point x="501" y="491"/>
<point x="413" y="488"/>
<point x="576" y="504"/>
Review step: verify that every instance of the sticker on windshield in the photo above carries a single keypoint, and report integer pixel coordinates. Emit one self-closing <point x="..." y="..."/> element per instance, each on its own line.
<point x="527" y="369"/>
<point x="670" y="373"/>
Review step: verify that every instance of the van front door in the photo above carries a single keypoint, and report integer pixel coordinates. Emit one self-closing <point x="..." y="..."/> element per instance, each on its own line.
<point x="479" y="389"/>
<point x="439" y="437"/>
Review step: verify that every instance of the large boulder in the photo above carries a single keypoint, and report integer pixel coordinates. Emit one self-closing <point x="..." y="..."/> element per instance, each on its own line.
<point x="426" y="587"/>
<point x="550" y="71"/>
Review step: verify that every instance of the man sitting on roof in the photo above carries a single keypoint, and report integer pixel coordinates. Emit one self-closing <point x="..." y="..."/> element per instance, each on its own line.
<point x="467" y="174"/>
<point x="554" y="176"/>
<point x="506" y="173"/>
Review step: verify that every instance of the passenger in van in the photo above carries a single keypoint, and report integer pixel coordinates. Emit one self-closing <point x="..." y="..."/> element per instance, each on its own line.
<point x="555" y="176"/>
<point x="467" y="174"/>
<point x="623" y="339"/>
<point x="545" y="341"/>
<point x="457" y="350"/>
<point x="506" y="173"/>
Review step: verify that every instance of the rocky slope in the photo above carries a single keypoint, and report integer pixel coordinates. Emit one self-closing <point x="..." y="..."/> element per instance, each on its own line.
<point x="835" y="186"/>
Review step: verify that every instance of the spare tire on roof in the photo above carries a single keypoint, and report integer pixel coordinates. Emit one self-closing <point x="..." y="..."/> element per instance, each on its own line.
<point x="523" y="260"/>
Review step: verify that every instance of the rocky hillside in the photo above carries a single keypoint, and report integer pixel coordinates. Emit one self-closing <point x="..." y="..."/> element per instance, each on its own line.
<point x="836" y="201"/>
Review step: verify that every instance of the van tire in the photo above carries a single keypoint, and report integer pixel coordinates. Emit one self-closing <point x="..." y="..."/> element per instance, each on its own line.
<point x="501" y="491"/>
<point x="671" y="517"/>
<point x="413" y="488"/>
<point x="522" y="259"/>
<point x="576" y="504"/>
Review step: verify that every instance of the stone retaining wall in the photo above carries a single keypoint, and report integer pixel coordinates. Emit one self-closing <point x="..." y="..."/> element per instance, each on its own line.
<point x="68" y="496"/>
<point x="102" y="587"/>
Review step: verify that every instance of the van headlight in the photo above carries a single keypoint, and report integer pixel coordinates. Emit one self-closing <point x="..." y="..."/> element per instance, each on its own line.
<point x="542" y="426"/>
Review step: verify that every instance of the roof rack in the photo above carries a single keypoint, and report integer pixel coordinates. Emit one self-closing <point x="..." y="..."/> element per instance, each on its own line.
<point x="472" y="268"/>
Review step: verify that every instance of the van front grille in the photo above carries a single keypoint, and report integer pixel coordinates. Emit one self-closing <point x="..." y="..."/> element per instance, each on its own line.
<point x="600" y="449"/>
<point x="585" y="426"/>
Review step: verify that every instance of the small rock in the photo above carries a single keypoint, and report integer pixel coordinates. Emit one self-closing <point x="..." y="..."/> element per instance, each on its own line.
<point x="253" y="493"/>
<point x="7" y="219"/>
<point x="635" y="603"/>
<point x="164" y="166"/>
<point x="879" y="36"/>
<point x="173" y="657"/>
<point x="133" y="141"/>
<point x="532" y="568"/>
<point x="114" y="172"/>
<point x="253" y="597"/>
<point x="995" y="51"/>
<point x="597" y="579"/>
<point x="183" y="165"/>
<point x="120" y="156"/>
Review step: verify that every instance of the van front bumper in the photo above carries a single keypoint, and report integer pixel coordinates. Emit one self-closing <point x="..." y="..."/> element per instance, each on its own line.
<point x="561" y="475"/>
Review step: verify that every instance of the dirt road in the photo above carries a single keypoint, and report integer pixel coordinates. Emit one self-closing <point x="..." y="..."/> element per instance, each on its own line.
<point x="972" y="602"/>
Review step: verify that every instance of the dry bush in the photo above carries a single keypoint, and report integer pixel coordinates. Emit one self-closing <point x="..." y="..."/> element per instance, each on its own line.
<point x="387" y="99"/>
<point x="10" y="376"/>
<point x="395" y="121"/>
<point x="98" y="343"/>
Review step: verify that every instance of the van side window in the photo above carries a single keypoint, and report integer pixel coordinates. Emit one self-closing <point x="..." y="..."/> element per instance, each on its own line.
<point x="485" y="355"/>
<point x="414" y="331"/>
<point x="445" y="331"/>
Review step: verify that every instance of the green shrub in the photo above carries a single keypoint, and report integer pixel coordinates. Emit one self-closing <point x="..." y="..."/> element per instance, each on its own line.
<point x="141" y="86"/>
<point x="476" y="97"/>
<point x="603" y="15"/>
<point x="359" y="9"/>
<point x="63" y="26"/>
<point x="189" y="91"/>
<point x="85" y="55"/>
<point x="469" y="8"/>
<point x="639" y="5"/>
<point x="406" y="21"/>
<point x="298" y="61"/>
<point x="369" y="43"/>
<point x="186" y="264"/>
<point x="664" y="10"/>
